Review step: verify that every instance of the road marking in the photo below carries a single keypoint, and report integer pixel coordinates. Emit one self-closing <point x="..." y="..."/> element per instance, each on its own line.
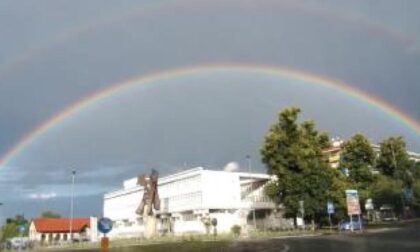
<point x="285" y="248"/>
<point x="294" y="236"/>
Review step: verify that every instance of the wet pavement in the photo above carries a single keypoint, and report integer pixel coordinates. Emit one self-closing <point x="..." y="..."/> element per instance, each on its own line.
<point x="404" y="239"/>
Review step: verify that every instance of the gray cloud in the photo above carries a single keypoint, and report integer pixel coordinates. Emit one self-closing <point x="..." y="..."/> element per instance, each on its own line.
<point x="209" y="120"/>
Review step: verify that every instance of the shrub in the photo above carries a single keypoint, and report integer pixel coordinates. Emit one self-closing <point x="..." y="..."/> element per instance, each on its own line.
<point x="236" y="230"/>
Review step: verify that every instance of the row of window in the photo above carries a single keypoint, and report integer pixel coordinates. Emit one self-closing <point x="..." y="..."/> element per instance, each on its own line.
<point x="188" y="184"/>
<point x="192" y="200"/>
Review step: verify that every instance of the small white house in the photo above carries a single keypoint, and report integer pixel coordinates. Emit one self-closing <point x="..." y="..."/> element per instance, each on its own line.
<point x="192" y="197"/>
<point x="55" y="230"/>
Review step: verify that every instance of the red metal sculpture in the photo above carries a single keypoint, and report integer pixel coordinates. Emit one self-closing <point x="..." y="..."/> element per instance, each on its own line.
<point x="150" y="198"/>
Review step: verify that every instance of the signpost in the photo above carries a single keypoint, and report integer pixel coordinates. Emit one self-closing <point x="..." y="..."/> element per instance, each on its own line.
<point x="21" y="230"/>
<point x="214" y="224"/>
<point x="353" y="206"/>
<point x="369" y="208"/>
<point x="302" y="212"/>
<point x="104" y="226"/>
<point x="330" y="210"/>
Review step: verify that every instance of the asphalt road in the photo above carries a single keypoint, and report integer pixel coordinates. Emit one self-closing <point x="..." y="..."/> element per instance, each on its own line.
<point x="403" y="239"/>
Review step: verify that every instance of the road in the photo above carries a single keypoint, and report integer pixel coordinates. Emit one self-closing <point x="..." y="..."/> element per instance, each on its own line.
<point x="403" y="239"/>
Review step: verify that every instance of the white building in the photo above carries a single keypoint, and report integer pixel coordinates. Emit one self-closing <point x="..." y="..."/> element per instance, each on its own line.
<point x="190" y="197"/>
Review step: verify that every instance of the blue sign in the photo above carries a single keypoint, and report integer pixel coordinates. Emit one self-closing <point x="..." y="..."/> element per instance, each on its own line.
<point x="345" y="171"/>
<point x="104" y="225"/>
<point x="408" y="193"/>
<point x="21" y="229"/>
<point x="330" y="207"/>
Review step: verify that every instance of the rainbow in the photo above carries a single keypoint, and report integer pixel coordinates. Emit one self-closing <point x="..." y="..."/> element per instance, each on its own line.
<point x="126" y="85"/>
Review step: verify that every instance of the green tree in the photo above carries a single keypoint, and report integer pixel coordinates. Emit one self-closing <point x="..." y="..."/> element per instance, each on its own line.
<point x="292" y="152"/>
<point x="10" y="229"/>
<point x="358" y="157"/>
<point x="416" y="199"/>
<point x="394" y="161"/>
<point x="50" y="214"/>
<point x="416" y="168"/>
<point x="388" y="191"/>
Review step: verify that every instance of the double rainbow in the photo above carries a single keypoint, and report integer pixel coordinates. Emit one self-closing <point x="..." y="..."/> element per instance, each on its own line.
<point x="123" y="86"/>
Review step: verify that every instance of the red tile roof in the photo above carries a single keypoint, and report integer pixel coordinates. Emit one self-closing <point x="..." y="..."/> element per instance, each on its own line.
<point x="60" y="225"/>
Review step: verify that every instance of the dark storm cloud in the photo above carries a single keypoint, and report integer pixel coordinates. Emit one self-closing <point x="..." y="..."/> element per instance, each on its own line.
<point x="372" y="46"/>
<point x="206" y="120"/>
<point x="83" y="206"/>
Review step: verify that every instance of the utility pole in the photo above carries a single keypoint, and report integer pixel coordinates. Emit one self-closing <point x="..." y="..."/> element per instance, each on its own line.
<point x="73" y="174"/>
<point x="1" y="216"/>
<point x="248" y="157"/>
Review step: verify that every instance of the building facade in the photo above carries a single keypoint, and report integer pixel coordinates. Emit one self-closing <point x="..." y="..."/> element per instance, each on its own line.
<point x="334" y="153"/>
<point x="192" y="198"/>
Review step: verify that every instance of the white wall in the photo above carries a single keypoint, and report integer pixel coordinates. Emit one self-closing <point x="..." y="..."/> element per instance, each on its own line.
<point x="221" y="190"/>
<point x="123" y="207"/>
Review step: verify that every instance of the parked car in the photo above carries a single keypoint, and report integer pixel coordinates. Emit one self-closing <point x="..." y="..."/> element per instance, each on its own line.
<point x="18" y="243"/>
<point x="347" y="225"/>
<point x="387" y="213"/>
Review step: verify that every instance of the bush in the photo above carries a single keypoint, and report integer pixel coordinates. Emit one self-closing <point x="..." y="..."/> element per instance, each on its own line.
<point x="236" y="230"/>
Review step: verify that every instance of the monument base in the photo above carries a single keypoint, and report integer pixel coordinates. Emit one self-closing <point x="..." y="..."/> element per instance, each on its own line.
<point x="150" y="223"/>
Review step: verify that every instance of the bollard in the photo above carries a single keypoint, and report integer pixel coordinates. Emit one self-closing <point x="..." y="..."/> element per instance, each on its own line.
<point x="104" y="244"/>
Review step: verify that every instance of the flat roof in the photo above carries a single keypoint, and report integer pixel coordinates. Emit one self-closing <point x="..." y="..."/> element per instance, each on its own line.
<point x="127" y="188"/>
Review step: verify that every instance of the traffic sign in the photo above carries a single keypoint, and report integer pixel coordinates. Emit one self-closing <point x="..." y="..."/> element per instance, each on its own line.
<point x="330" y="207"/>
<point x="21" y="229"/>
<point x="408" y="194"/>
<point x="369" y="204"/>
<point x="104" y="225"/>
<point x="353" y="205"/>
<point x="214" y="222"/>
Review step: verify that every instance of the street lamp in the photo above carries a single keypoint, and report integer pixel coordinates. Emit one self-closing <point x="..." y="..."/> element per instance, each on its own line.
<point x="248" y="157"/>
<point x="73" y="174"/>
<point x="1" y="216"/>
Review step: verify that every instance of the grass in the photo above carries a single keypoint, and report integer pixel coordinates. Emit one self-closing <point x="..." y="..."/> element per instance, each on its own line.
<point x="184" y="243"/>
<point x="178" y="246"/>
<point x="202" y="242"/>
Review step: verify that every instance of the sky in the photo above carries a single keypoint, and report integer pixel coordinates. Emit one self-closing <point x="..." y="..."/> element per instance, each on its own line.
<point x="55" y="53"/>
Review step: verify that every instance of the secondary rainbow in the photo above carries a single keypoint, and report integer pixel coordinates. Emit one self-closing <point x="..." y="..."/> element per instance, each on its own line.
<point x="153" y="8"/>
<point x="125" y="85"/>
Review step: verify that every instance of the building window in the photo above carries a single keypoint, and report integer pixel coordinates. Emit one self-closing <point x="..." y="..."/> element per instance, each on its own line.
<point x="127" y="223"/>
<point x="189" y="216"/>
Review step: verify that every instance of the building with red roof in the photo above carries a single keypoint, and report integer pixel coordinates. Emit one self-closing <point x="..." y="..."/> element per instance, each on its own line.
<point x="54" y="230"/>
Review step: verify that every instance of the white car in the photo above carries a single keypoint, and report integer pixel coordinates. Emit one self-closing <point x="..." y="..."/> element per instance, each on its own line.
<point x="20" y="243"/>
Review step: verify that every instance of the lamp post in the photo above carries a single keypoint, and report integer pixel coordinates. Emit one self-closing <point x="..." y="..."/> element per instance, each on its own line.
<point x="248" y="158"/>
<point x="1" y="216"/>
<point x="73" y="174"/>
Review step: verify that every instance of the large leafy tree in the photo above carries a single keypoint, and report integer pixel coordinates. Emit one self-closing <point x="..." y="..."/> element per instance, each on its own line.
<point x="394" y="161"/>
<point x="395" y="164"/>
<point x="387" y="191"/>
<point x="10" y="229"/>
<point x="358" y="157"/>
<point x="292" y="152"/>
<point x="416" y="193"/>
